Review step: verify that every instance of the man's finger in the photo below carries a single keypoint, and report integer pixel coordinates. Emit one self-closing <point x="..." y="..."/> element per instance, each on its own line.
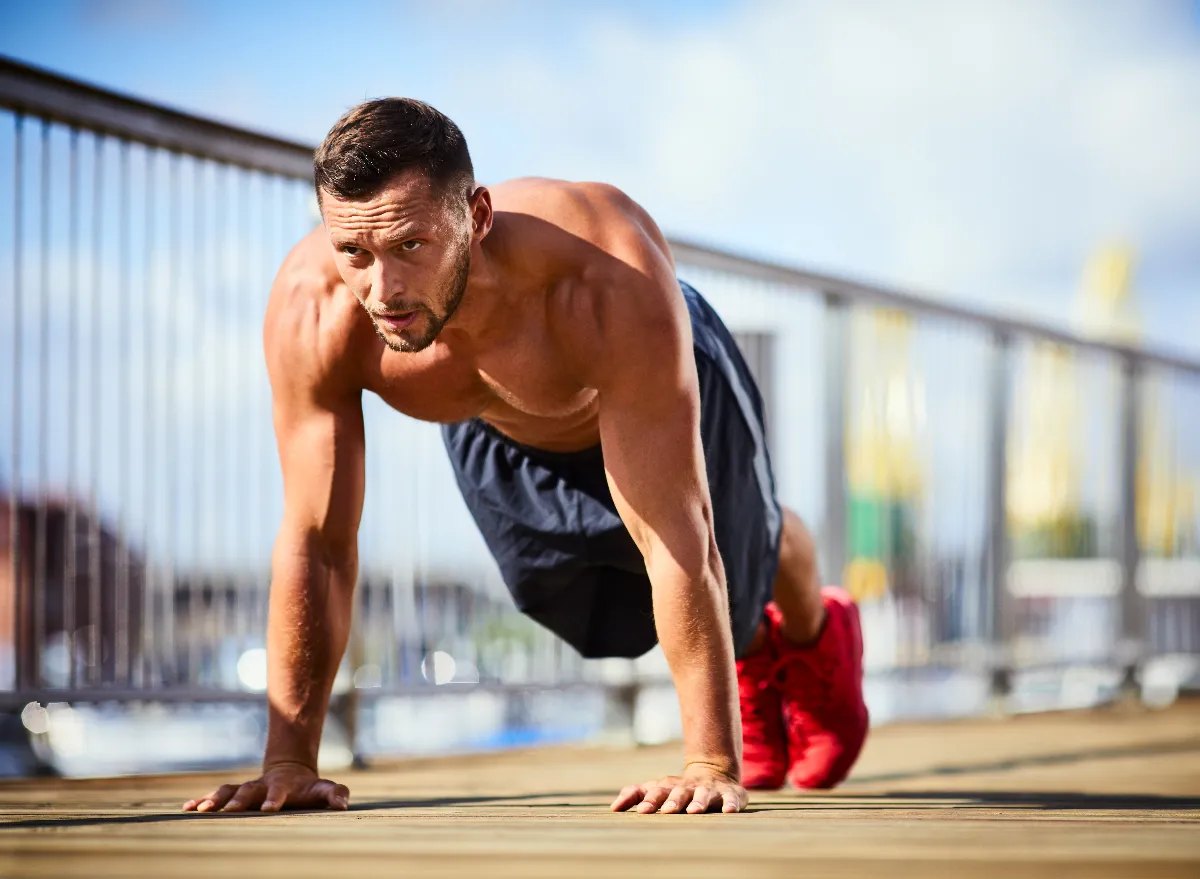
<point x="734" y="800"/>
<point x="339" y="797"/>
<point x="702" y="798"/>
<point x="217" y="798"/>
<point x="192" y="804"/>
<point x="249" y="796"/>
<point x="276" y="797"/>
<point x="654" y="798"/>
<point x="324" y="793"/>
<point x="627" y="797"/>
<point x="680" y="796"/>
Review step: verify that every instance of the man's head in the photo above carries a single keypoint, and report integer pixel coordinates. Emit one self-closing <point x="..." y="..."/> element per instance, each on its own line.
<point x="397" y="192"/>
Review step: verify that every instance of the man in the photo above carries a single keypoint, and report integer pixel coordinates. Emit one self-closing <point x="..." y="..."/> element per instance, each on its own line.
<point x="606" y="435"/>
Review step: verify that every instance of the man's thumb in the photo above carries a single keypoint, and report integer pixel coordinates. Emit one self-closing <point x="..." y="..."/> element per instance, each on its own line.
<point x="339" y="796"/>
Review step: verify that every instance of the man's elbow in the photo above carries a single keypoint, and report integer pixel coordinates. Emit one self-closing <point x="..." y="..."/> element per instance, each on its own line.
<point x="691" y="564"/>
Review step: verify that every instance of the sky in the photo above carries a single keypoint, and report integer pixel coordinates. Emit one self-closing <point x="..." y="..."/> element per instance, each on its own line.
<point x="978" y="151"/>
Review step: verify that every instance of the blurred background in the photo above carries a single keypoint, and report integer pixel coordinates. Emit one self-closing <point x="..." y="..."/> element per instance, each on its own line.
<point x="958" y="242"/>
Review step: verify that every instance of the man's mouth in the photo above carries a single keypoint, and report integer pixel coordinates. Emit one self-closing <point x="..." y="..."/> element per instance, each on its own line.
<point x="397" y="322"/>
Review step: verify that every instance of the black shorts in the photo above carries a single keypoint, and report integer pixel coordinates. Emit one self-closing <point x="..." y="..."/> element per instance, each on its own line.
<point x="566" y="557"/>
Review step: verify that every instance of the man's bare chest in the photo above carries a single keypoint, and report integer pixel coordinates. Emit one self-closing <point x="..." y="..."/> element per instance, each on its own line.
<point x="519" y="386"/>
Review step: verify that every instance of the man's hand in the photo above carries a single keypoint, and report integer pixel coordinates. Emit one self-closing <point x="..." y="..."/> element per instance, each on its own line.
<point x="700" y="789"/>
<point x="286" y="784"/>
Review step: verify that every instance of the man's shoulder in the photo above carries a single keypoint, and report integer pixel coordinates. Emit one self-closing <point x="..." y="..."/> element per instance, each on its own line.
<point x="597" y="212"/>
<point x="620" y="292"/>
<point x="312" y="326"/>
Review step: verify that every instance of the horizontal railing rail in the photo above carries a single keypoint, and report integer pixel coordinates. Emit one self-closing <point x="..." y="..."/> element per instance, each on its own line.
<point x="916" y="304"/>
<point x="29" y="90"/>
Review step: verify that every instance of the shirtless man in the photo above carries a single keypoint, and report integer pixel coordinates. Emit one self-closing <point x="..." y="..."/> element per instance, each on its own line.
<point x="606" y="435"/>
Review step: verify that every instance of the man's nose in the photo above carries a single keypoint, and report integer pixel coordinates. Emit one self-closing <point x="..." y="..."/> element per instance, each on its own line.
<point x="387" y="281"/>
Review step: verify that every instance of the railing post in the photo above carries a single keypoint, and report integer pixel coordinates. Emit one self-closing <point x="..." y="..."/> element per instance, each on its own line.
<point x="997" y="607"/>
<point x="1131" y="635"/>
<point x="837" y="362"/>
<point x="346" y="708"/>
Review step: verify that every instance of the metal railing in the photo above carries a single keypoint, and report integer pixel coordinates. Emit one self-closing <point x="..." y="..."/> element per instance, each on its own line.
<point x="143" y="491"/>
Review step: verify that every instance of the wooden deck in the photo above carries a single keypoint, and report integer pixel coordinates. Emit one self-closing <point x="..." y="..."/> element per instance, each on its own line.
<point x="1089" y="794"/>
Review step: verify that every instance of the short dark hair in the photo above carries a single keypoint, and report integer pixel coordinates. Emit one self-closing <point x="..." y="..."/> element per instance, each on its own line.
<point x="377" y="140"/>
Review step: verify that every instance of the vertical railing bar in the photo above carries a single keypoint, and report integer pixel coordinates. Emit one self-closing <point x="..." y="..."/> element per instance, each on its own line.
<point x="997" y="609"/>
<point x="95" y="546"/>
<point x="232" y="515"/>
<point x="147" y="658"/>
<point x="208" y="425"/>
<point x="237" y="378"/>
<point x="403" y="612"/>
<point x="234" y="450"/>
<point x="197" y="577"/>
<point x="70" y="572"/>
<point x="420" y="582"/>
<point x="261" y="437"/>
<point x="259" y="409"/>
<point x="14" y="493"/>
<point x="217" y="416"/>
<point x="41" y="547"/>
<point x="121" y="596"/>
<point x="837" y="359"/>
<point x="978" y="544"/>
<point x="220" y="332"/>
<point x="171" y="456"/>
<point x="210" y="420"/>
<point x="1131" y="637"/>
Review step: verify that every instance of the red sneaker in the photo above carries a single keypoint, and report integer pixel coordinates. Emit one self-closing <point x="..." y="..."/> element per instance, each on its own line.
<point x="764" y="746"/>
<point x="822" y="693"/>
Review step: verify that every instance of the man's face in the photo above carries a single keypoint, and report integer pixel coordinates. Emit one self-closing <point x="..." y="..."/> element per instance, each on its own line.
<point x="405" y="253"/>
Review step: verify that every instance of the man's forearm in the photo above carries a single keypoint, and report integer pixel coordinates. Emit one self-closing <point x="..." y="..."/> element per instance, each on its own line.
<point x="311" y="604"/>
<point x="692" y="618"/>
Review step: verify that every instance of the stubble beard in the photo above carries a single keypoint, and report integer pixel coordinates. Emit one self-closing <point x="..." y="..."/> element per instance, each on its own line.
<point x="433" y="324"/>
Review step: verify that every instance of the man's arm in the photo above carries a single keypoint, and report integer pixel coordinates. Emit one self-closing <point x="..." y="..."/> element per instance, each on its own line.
<point x="319" y="433"/>
<point x="649" y="429"/>
<point x="644" y="369"/>
<point x="313" y="568"/>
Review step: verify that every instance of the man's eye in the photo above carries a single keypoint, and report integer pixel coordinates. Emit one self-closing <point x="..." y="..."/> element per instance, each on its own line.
<point x="410" y="246"/>
<point x="350" y="250"/>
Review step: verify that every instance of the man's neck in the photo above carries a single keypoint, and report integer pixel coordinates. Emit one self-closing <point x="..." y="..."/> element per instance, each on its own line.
<point x="500" y="283"/>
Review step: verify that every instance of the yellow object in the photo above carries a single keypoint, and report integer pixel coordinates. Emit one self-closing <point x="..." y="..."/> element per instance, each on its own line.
<point x="865" y="579"/>
<point x="1043" y="479"/>
<point x="882" y="440"/>
<point x="1165" y="495"/>
<point x="881" y="456"/>
<point x="1108" y="306"/>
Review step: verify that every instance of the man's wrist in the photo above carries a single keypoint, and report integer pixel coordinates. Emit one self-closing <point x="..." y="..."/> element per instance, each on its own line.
<point x="730" y="767"/>
<point x="270" y="763"/>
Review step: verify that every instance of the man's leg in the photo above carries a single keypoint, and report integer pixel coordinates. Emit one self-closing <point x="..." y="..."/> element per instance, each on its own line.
<point x="813" y="636"/>
<point x="797" y="589"/>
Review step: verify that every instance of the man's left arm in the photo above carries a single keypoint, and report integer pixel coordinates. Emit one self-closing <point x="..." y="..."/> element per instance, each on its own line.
<point x="654" y="461"/>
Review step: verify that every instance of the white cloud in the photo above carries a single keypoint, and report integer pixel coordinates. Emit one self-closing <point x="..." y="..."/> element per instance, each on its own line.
<point x="977" y="149"/>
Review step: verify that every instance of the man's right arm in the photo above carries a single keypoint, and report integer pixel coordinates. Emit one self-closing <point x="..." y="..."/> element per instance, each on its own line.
<point x="317" y="412"/>
<point x="313" y="568"/>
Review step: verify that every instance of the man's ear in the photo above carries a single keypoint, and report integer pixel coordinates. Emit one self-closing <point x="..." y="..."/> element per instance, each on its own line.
<point x="480" y="202"/>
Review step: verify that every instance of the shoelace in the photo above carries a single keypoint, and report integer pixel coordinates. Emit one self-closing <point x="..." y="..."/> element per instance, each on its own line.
<point x="806" y="677"/>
